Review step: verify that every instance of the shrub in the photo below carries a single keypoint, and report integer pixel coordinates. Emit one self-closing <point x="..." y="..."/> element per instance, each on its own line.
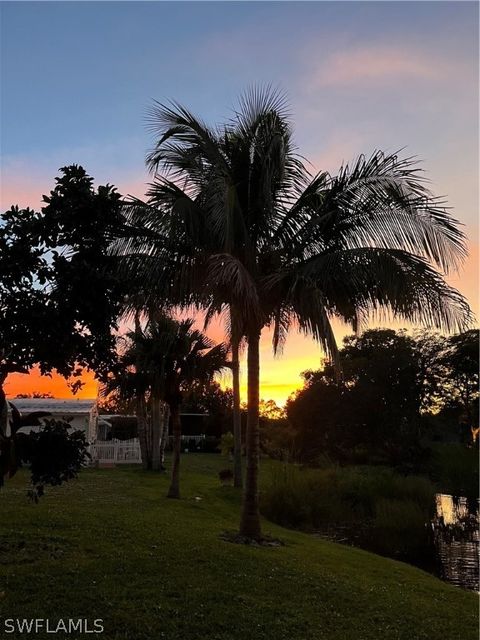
<point x="226" y="444"/>
<point x="400" y="529"/>
<point x="454" y="469"/>
<point x="52" y="454"/>
<point x="277" y="439"/>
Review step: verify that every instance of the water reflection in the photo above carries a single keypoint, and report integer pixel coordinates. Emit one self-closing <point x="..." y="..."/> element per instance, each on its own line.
<point x="456" y="536"/>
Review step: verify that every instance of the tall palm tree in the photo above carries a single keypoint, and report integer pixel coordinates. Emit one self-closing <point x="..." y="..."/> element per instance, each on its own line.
<point x="234" y="218"/>
<point x="144" y="434"/>
<point x="236" y="338"/>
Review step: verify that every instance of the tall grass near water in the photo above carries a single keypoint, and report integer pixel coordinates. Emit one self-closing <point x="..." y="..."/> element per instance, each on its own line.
<point x="371" y="507"/>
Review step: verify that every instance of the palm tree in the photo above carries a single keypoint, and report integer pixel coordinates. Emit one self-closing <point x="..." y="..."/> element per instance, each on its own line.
<point x="236" y="338"/>
<point x="181" y="357"/>
<point x="152" y="250"/>
<point x="234" y="218"/>
<point x="132" y="380"/>
<point x="170" y="357"/>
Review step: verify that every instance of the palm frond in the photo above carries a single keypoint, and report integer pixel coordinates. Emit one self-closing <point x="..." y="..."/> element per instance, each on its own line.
<point x="381" y="202"/>
<point x="368" y="280"/>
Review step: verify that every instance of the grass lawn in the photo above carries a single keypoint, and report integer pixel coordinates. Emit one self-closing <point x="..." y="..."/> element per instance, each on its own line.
<point x="110" y="545"/>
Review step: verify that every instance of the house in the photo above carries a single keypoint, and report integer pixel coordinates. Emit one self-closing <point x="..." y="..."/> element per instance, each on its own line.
<point x="124" y="427"/>
<point x="117" y="438"/>
<point x="81" y="414"/>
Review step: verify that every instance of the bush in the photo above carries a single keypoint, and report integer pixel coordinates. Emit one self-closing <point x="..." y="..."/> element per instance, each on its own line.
<point x="454" y="469"/>
<point x="52" y="454"/>
<point x="226" y="444"/>
<point x="401" y="529"/>
<point x="278" y="439"/>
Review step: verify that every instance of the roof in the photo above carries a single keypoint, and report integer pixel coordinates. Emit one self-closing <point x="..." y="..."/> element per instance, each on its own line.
<point x="53" y="405"/>
<point x="38" y="429"/>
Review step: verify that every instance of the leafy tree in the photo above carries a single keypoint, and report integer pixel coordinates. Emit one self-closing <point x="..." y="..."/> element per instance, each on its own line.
<point x="373" y="413"/>
<point x="24" y="310"/>
<point x="461" y="384"/>
<point x="34" y="394"/>
<point x="449" y="372"/>
<point x="269" y="409"/>
<point x="235" y="220"/>
<point x="316" y="414"/>
<point x="216" y="402"/>
<point x="429" y="348"/>
<point x="76" y="227"/>
<point x="114" y="403"/>
<point x="59" y="299"/>
<point x="381" y="409"/>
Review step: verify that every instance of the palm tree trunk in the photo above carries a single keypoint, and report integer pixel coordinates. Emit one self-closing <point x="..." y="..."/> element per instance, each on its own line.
<point x="141" y="409"/>
<point x="3" y="410"/>
<point x="174" y="491"/>
<point x="164" y="440"/>
<point x="148" y="432"/>
<point x="250" y="519"/>
<point x="142" y="432"/>
<point x="237" y="416"/>
<point x="157" y="430"/>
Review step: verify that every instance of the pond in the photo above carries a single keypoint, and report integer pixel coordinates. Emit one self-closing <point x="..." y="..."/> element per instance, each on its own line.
<point x="456" y="540"/>
<point x="447" y="545"/>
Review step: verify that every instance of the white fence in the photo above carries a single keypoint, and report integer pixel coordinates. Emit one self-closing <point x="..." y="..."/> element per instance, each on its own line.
<point x="195" y="440"/>
<point x="116" y="451"/>
<point x="128" y="451"/>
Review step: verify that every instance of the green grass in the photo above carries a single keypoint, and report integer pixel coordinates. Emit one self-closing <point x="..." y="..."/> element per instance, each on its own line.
<point x="110" y="545"/>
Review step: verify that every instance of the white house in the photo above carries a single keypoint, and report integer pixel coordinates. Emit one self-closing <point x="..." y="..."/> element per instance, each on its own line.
<point x="81" y="414"/>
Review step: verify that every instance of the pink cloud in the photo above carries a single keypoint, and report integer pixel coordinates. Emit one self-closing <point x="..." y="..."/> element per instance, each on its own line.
<point x="24" y="186"/>
<point x="341" y="147"/>
<point x="22" y="189"/>
<point x="374" y="64"/>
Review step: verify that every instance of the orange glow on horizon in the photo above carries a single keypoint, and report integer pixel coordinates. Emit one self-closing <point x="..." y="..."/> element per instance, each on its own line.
<point x="279" y="376"/>
<point x="19" y="383"/>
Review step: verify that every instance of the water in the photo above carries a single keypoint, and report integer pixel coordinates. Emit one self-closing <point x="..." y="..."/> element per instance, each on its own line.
<point x="456" y="539"/>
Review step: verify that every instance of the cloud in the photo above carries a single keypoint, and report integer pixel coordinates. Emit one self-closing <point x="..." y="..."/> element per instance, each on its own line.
<point x="340" y="147"/>
<point x="377" y="65"/>
<point x="467" y="280"/>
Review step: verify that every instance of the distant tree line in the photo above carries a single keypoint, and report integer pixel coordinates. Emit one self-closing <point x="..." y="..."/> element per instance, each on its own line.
<point x="396" y="394"/>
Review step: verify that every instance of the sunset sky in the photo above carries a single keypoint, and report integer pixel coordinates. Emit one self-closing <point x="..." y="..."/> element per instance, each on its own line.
<point x="77" y="79"/>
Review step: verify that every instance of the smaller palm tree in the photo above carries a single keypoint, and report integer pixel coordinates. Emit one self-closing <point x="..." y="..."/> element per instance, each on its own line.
<point x="191" y="359"/>
<point x="131" y="381"/>
<point x="162" y="362"/>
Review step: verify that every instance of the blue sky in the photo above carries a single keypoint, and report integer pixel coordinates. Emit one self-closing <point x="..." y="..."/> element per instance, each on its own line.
<point x="78" y="77"/>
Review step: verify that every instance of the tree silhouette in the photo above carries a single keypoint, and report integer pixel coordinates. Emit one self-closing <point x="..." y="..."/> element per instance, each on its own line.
<point x="235" y="220"/>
